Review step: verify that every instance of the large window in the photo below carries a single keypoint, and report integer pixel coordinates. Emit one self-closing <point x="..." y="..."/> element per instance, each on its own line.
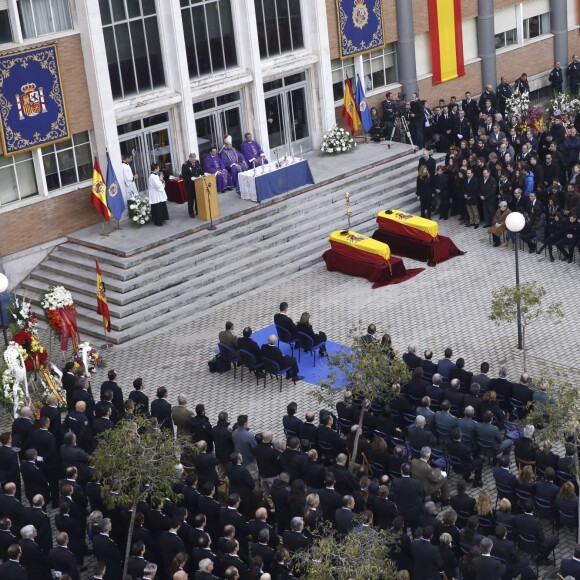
<point x="68" y="162"/>
<point x="17" y="178"/>
<point x="341" y="68"/>
<point x="506" y="38"/>
<point x="536" y="26"/>
<point x="209" y="36"/>
<point x="5" y="29"/>
<point x="38" y="17"/>
<point x="131" y="35"/>
<point x="380" y="67"/>
<point x="279" y="26"/>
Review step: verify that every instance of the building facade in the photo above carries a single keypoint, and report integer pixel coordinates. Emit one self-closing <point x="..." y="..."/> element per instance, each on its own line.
<point x="161" y="78"/>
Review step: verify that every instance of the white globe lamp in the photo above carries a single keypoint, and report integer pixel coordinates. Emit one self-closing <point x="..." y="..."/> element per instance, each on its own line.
<point x="515" y="222"/>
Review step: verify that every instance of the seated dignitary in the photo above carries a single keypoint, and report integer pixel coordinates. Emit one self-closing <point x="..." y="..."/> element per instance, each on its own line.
<point x="233" y="161"/>
<point x="213" y="164"/>
<point x="252" y="151"/>
<point x="271" y="351"/>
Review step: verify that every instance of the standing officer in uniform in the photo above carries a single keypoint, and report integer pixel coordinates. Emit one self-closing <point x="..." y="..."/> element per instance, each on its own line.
<point x="388" y="120"/>
<point x="573" y="73"/>
<point x="189" y="171"/>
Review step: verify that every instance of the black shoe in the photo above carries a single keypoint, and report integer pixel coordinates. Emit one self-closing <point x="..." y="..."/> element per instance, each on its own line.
<point x="192" y="215"/>
<point x="261" y="374"/>
<point x="551" y="258"/>
<point x="476" y="226"/>
<point x="467" y="225"/>
<point x="477" y="483"/>
<point x="496" y="245"/>
<point x="288" y="375"/>
<point x="467" y="479"/>
<point x="563" y="258"/>
<point x="297" y="378"/>
<point x="570" y="260"/>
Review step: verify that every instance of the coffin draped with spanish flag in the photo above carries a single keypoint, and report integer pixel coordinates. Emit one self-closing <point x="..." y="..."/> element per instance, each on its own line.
<point x="446" y="40"/>
<point x="358" y="255"/>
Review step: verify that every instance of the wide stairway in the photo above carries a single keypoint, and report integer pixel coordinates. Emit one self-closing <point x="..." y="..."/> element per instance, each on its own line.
<point x="179" y="278"/>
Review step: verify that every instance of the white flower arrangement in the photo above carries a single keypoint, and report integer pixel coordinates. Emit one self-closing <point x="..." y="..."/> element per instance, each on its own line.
<point x="57" y="297"/>
<point x="15" y="374"/>
<point x="22" y="316"/>
<point x="9" y="378"/>
<point x="518" y="104"/>
<point x="337" y="140"/>
<point x="139" y="209"/>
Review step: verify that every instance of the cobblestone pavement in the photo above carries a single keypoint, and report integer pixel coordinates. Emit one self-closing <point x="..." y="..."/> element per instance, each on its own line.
<point x="444" y="306"/>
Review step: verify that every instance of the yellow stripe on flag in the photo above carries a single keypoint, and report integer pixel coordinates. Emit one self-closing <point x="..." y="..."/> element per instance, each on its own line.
<point x="447" y="47"/>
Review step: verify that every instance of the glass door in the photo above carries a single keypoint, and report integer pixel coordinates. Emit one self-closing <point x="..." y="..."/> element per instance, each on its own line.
<point x="159" y="148"/>
<point x="136" y="147"/>
<point x="212" y="127"/>
<point x="298" y="112"/>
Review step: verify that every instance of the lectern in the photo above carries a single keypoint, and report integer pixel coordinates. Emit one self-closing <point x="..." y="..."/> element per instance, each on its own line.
<point x="207" y="201"/>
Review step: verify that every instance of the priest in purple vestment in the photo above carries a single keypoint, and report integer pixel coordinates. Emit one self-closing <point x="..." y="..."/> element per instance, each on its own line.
<point x="233" y="160"/>
<point x="213" y="164"/>
<point x="252" y="151"/>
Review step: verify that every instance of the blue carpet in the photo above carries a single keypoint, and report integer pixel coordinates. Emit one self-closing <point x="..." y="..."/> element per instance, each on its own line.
<point x="312" y="374"/>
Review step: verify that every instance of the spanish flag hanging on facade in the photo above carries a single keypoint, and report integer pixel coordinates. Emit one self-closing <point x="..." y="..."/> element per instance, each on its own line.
<point x="349" y="109"/>
<point x="446" y="40"/>
<point x="99" y="192"/>
<point x="102" y="304"/>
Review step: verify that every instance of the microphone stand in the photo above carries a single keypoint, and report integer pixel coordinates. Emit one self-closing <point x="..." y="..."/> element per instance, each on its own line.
<point x="211" y="227"/>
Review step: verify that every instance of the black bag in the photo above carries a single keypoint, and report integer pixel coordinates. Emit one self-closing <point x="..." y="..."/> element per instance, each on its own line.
<point x="219" y="365"/>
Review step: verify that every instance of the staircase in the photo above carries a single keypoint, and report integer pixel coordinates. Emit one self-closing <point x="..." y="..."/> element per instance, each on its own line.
<point x="184" y="276"/>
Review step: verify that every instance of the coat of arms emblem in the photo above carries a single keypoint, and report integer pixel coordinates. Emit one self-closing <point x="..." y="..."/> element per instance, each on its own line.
<point x="360" y="14"/>
<point x="31" y="102"/>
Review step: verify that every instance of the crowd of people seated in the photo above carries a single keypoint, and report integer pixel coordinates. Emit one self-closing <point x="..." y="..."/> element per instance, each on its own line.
<point x="493" y="167"/>
<point x="249" y="500"/>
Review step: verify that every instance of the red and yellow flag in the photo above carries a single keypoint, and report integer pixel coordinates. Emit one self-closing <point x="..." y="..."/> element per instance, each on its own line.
<point x="350" y="112"/>
<point x="446" y="40"/>
<point x="99" y="192"/>
<point x="102" y="304"/>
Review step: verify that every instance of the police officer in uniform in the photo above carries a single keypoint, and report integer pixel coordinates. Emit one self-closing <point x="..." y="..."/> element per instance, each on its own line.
<point x="388" y="120"/>
<point x="189" y="171"/>
<point x="573" y="73"/>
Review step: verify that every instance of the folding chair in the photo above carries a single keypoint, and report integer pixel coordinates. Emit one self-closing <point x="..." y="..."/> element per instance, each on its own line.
<point x="273" y="369"/>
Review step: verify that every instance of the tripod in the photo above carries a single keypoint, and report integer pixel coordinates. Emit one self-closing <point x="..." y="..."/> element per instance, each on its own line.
<point x="402" y="126"/>
<point x="211" y="227"/>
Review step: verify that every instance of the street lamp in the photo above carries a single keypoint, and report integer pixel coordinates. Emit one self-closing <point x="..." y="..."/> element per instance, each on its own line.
<point x="515" y="223"/>
<point x="3" y="288"/>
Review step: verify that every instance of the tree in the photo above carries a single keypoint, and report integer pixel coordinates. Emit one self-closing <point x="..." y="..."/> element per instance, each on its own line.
<point x="504" y="307"/>
<point x="364" y="555"/>
<point x="558" y="419"/>
<point x="370" y="372"/>
<point x="133" y="461"/>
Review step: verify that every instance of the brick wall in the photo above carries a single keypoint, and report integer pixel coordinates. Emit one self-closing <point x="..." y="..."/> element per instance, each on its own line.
<point x="46" y="220"/>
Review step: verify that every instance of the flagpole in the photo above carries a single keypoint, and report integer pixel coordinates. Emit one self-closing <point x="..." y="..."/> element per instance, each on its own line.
<point x="105" y="329"/>
<point x="118" y="224"/>
<point x="104" y="233"/>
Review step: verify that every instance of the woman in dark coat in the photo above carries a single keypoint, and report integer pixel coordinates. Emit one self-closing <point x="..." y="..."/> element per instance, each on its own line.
<point x="305" y="327"/>
<point x="425" y="191"/>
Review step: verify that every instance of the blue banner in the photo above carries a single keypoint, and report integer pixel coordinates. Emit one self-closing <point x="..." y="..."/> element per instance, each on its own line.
<point x="32" y="110"/>
<point x="115" y="199"/>
<point x="360" y="26"/>
<point x="361" y="103"/>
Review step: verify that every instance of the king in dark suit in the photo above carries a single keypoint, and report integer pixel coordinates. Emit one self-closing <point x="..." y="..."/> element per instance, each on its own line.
<point x="272" y="352"/>
<point x="282" y="319"/>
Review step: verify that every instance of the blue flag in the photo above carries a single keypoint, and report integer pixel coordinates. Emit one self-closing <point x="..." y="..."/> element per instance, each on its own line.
<point x="361" y="103"/>
<point x="115" y="199"/>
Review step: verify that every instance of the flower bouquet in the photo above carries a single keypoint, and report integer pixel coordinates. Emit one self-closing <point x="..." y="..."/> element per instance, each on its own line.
<point x="22" y="316"/>
<point x="564" y="106"/>
<point x="139" y="209"/>
<point x="527" y="116"/>
<point x="35" y="355"/>
<point x="337" y="140"/>
<point x="61" y="315"/>
<point x="87" y="356"/>
<point x="13" y="376"/>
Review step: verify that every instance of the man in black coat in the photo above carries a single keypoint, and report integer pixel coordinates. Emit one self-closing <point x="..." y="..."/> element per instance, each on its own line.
<point x="485" y="566"/>
<point x="571" y="566"/>
<point x="205" y="464"/>
<point x="75" y="531"/>
<point x="52" y="411"/>
<point x="36" y="516"/>
<point x="191" y="170"/>
<point x="293" y="539"/>
<point x="313" y="472"/>
<point x="461" y="128"/>
<point x="7" y="538"/>
<point x="106" y="550"/>
<point x="210" y="508"/>
<point x="13" y="569"/>
<point x="48" y="458"/>
<point x="222" y="439"/>
<point x="161" y="410"/>
<point x="241" y="482"/>
<point x="426" y="557"/>
<point x="419" y="436"/>
<point x="62" y="559"/>
<point x="111" y="385"/>
<point x="330" y="499"/>
<point x="462" y="501"/>
<point x="272" y="352"/>
<point x="201" y="427"/>
<point x="34" y="559"/>
<point x="507" y="551"/>
<point x="408" y="495"/>
<point x="9" y="467"/>
<point x="69" y="383"/>
<point x="531" y="526"/>
<point x="249" y="344"/>
<point x="268" y="460"/>
<point x="22" y="429"/>
<point x="279" y="493"/>
<point x="502" y="387"/>
<point x="282" y="319"/>
<point x="140" y="398"/>
<point x="344" y="481"/>
<point x="261" y="548"/>
<point x="73" y="456"/>
<point x="229" y="515"/>
<point x="34" y="479"/>
<point x="170" y="544"/>
<point x="460" y="451"/>
<point x="344" y="516"/>
<point x="10" y="506"/>
<point x="331" y="439"/>
<point x="488" y="196"/>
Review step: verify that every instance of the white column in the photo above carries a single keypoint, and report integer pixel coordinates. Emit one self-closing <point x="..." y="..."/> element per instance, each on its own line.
<point x="315" y="27"/>
<point x="244" y="15"/>
<point x="177" y="76"/>
<point x="99" y="85"/>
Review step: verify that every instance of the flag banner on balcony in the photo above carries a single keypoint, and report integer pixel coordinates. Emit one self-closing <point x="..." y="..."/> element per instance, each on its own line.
<point x="32" y="109"/>
<point x="446" y="40"/>
<point x="360" y="26"/>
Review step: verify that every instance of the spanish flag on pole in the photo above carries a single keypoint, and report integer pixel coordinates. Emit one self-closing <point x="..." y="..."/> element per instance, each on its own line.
<point x="350" y="111"/>
<point x="446" y="40"/>
<point x="102" y="304"/>
<point x="99" y="192"/>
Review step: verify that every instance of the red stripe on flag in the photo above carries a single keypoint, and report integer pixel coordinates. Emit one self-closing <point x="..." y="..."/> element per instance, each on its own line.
<point x="459" y="38"/>
<point x="435" y="48"/>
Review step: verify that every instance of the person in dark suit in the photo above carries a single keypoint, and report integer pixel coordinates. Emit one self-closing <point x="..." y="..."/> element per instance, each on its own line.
<point x="140" y="398"/>
<point x="191" y="170"/>
<point x="428" y="366"/>
<point x="282" y="319"/>
<point x="522" y="393"/>
<point x="205" y="464"/>
<point x="502" y="387"/>
<point x="7" y="538"/>
<point x="313" y="472"/>
<point x="410" y="357"/>
<point x="530" y="525"/>
<point x="62" y="559"/>
<point x="36" y="516"/>
<point x="464" y="453"/>
<point x="419" y="436"/>
<point x="571" y="566"/>
<point x="524" y="447"/>
<point x="106" y="550"/>
<point x="507" y="551"/>
<point x="69" y="383"/>
<point x="137" y="561"/>
<point x="344" y="481"/>
<point x="249" y="344"/>
<point x="545" y="488"/>
<point x="279" y="492"/>
<point x="34" y="479"/>
<point x="330" y="499"/>
<point x="111" y="385"/>
<point x="461" y="128"/>
<point x="261" y="548"/>
<point x="103" y="421"/>
<point x="328" y="436"/>
<point x="210" y="508"/>
<point x="9" y="466"/>
<point x="22" y="429"/>
<point x="231" y="558"/>
<point x="161" y="410"/>
<point x="344" y="516"/>
<point x="293" y="539"/>
<point x="222" y="438"/>
<point x="485" y="566"/>
<point x="241" y="481"/>
<point x="34" y="559"/>
<point x="52" y="411"/>
<point x="308" y="430"/>
<point x="427" y="560"/>
<point x="408" y="494"/>
<point x="75" y="530"/>
<point x="49" y="460"/>
<point x="462" y="501"/>
<point x="73" y="456"/>
<point x="12" y="569"/>
<point x="370" y="336"/>
<point x="271" y="351"/>
<point x="170" y="544"/>
<point x="505" y="478"/>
